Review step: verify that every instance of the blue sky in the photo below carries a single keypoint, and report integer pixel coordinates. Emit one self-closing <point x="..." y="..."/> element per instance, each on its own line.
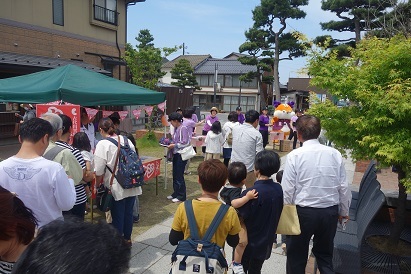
<point x="215" y="27"/>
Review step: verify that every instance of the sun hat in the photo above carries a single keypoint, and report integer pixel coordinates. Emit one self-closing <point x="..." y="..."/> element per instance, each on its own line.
<point x="214" y="109"/>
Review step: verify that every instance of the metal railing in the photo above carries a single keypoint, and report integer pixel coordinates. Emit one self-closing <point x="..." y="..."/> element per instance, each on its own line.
<point x="105" y="15"/>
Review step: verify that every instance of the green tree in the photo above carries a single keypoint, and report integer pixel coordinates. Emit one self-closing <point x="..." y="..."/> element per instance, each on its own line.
<point x="356" y="16"/>
<point x="377" y="80"/>
<point x="266" y="40"/>
<point x="397" y="21"/>
<point x="183" y="73"/>
<point x="145" y="61"/>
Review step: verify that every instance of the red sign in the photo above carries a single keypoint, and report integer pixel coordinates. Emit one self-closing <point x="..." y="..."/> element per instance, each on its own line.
<point x="72" y="111"/>
<point x="151" y="167"/>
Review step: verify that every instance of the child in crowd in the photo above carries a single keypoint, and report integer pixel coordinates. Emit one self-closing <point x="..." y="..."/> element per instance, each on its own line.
<point x="278" y="178"/>
<point x="214" y="142"/>
<point x="230" y="194"/>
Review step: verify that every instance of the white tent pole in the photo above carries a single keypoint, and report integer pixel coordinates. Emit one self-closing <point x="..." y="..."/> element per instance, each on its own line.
<point x="166" y="150"/>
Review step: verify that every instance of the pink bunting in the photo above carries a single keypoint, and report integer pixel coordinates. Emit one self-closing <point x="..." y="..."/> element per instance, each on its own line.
<point x="123" y="114"/>
<point x="137" y="113"/>
<point x="162" y="106"/>
<point x="91" y="112"/>
<point x="107" y="113"/>
<point x="148" y="110"/>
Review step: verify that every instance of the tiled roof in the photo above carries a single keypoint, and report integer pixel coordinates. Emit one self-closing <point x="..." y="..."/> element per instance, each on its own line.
<point x="43" y="62"/>
<point x="194" y="60"/>
<point x="225" y="66"/>
<point x="235" y="55"/>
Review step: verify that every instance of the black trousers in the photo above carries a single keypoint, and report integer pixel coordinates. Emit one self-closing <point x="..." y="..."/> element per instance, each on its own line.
<point x="264" y="134"/>
<point x="320" y="223"/>
<point x="251" y="265"/>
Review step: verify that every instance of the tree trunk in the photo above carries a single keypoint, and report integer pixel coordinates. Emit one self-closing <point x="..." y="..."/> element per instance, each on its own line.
<point x="399" y="221"/>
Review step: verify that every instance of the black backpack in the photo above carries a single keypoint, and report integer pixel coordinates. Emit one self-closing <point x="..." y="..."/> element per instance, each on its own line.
<point x="130" y="172"/>
<point x="199" y="255"/>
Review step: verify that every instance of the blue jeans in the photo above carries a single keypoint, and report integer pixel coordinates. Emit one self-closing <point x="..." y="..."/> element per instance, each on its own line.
<point x="122" y="214"/>
<point x="179" y="185"/>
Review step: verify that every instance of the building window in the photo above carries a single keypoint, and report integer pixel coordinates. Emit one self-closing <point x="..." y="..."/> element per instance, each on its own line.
<point x="106" y="11"/>
<point x="58" y="12"/>
<point x="246" y="103"/>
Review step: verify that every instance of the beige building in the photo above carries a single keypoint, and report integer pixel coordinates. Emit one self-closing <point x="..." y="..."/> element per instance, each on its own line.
<point x="42" y="34"/>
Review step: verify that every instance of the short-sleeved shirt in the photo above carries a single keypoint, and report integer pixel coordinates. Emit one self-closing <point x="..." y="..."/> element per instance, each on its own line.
<point x="204" y="212"/>
<point x="229" y="193"/>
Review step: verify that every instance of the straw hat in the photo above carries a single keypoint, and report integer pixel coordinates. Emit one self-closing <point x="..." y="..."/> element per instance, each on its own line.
<point x="214" y="109"/>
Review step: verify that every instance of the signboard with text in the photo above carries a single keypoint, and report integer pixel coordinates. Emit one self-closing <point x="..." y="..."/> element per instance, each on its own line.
<point x="72" y="111"/>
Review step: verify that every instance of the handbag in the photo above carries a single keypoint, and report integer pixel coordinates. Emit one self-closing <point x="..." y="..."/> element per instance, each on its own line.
<point x="289" y="223"/>
<point x="106" y="199"/>
<point x="187" y="153"/>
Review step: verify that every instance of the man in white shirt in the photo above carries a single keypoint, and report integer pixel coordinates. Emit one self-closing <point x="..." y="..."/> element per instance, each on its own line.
<point x="41" y="184"/>
<point x="247" y="142"/>
<point x="314" y="179"/>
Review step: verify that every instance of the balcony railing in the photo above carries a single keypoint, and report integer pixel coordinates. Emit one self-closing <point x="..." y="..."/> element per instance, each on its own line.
<point x="105" y="15"/>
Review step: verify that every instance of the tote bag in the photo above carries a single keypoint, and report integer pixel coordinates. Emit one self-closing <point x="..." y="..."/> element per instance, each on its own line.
<point x="289" y="223"/>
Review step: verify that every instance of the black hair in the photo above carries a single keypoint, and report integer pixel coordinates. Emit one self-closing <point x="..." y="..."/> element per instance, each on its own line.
<point x="115" y="120"/>
<point x="67" y="123"/>
<point x="75" y="247"/>
<point x="188" y="113"/>
<point x="176" y="117"/>
<point x="308" y="127"/>
<point x="237" y="172"/>
<point x="233" y="116"/>
<point x="279" y="176"/>
<point x="216" y="127"/>
<point x="267" y="162"/>
<point x="251" y="116"/>
<point x="35" y="129"/>
<point x="81" y="141"/>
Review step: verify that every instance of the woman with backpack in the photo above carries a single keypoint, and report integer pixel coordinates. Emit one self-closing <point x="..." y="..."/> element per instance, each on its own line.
<point x="105" y="158"/>
<point x="227" y="133"/>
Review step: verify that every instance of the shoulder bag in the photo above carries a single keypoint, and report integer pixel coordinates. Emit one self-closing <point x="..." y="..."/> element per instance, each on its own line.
<point x="289" y="224"/>
<point x="187" y="152"/>
<point x="107" y="197"/>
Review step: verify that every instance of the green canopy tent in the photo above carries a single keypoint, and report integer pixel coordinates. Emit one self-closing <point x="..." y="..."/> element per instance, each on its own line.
<point x="75" y="85"/>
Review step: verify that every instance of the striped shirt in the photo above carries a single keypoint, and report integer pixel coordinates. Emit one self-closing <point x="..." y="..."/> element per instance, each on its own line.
<point x="5" y="267"/>
<point x="81" y="196"/>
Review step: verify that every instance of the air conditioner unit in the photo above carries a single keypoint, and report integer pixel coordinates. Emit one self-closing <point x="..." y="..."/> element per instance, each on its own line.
<point x="218" y="87"/>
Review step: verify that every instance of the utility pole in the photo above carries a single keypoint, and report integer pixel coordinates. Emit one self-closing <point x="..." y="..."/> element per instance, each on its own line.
<point x="184" y="48"/>
<point x="215" y="83"/>
<point x="239" y="97"/>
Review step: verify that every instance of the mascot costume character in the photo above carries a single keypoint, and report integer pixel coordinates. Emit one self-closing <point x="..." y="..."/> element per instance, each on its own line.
<point x="282" y="117"/>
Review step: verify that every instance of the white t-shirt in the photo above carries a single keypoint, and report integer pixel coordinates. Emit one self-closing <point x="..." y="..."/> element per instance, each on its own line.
<point x="105" y="154"/>
<point x="42" y="185"/>
<point x="227" y="128"/>
<point x="89" y="130"/>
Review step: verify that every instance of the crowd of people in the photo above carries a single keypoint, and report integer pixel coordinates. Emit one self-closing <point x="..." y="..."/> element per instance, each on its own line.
<point x="45" y="187"/>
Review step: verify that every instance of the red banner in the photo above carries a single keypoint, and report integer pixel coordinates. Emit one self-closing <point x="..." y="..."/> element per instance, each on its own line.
<point x="122" y="114"/>
<point x="91" y="112"/>
<point x="151" y="168"/>
<point x="162" y="106"/>
<point x="107" y="113"/>
<point x="72" y="111"/>
<point x="148" y="110"/>
<point x="137" y="113"/>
